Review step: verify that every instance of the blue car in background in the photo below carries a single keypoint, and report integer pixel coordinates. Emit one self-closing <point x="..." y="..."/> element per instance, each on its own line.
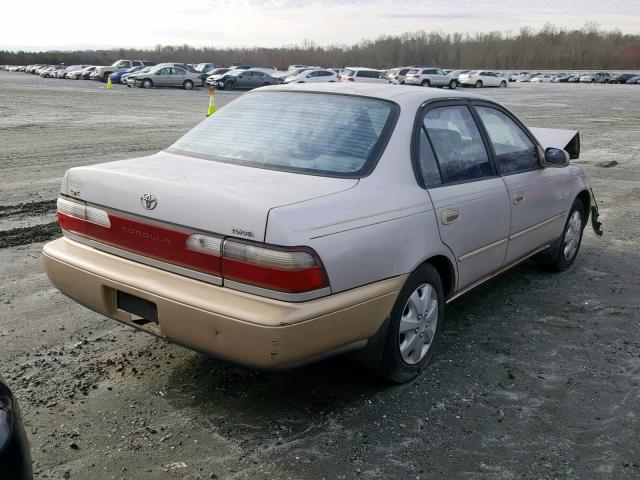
<point x="116" y="77"/>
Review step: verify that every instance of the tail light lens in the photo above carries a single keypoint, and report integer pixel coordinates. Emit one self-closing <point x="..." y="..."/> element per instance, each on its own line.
<point x="282" y="269"/>
<point x="290" y="270"/>
<point x="174" y="245"/>
<point x="350" y="79"/>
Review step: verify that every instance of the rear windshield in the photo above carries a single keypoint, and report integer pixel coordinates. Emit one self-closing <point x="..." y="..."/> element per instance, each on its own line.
<point x="322" y="134"/>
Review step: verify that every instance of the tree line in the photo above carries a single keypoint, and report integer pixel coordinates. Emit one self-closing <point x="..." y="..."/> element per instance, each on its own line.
<point x="548" y="48"/>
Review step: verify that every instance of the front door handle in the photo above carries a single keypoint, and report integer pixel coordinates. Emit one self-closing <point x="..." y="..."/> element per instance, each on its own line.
<point x="518" y="197"/>
<point x="449" y="216"/>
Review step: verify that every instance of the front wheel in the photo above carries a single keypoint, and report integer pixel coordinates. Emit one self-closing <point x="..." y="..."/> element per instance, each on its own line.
<point x="229" y="85"/>
<point x="414" y="326"/>
<point x="563" y="252"/>
<point x="453" y="85"/>
<point x="187" y="85"/>
<point x="503" y="84"/>
<point x="478" y="84"/>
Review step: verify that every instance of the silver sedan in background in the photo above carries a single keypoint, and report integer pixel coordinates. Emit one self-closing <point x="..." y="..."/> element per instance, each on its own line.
<point x="164" y="76"/>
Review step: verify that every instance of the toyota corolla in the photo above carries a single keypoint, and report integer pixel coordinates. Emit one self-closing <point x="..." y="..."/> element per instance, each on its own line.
<point x="304" y="221"/>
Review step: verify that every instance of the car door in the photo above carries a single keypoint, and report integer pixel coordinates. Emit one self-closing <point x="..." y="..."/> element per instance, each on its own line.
<point x="441" y="78"/>
<point x="259" y="78"/>
<point x="490" y="79"/>
<point x="244" y="80"/>
<point x="178" y="76"/>
<point x="364" y="76"/>
<point x="538" y="196"/>
<point x="161" y="77"/>
<point x="471" y="202"/>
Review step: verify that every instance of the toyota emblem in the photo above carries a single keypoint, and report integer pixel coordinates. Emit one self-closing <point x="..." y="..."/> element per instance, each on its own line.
<point x="148" y="201"/>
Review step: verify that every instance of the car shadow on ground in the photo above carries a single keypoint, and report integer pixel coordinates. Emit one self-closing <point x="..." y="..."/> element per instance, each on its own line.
<point x="288" y="403"/>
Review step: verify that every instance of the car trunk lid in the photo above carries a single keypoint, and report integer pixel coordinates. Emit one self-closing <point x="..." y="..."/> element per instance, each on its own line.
<point x="221" y="198"/>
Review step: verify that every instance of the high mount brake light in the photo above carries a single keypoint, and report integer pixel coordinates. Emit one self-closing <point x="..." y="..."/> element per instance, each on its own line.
<point x="282" y="269"/>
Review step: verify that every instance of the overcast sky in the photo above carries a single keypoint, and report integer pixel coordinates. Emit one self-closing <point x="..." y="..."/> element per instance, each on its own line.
<point x="66" y="24"/>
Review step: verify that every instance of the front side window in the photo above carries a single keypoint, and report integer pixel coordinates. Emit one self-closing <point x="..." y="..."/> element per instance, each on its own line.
<point x="305" y="132"/>
<point x="514" y="151"/>
<point x="457" y="144"/>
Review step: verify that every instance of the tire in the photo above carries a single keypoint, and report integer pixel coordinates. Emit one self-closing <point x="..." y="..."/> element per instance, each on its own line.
<point x="105" y="77"/>
<point x="478" y="84"/>
<point x="426" y="83"/>
<point x="146" y="83"/>
<point x="187" y="85"/>
<point x="453" y="85"/>
<point x="266" y="84"/>
<point x="422" y="290"/>
<point x="560" y="255"/>
<point x="229" y="85"/>
<point x="503" y="84"/>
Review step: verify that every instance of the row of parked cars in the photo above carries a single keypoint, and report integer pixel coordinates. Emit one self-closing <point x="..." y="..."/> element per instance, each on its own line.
<point x="145" y="74"/>
<point x="560" y="77"/>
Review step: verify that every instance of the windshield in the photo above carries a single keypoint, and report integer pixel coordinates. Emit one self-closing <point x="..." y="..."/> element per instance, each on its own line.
<point x="292" y="131"/>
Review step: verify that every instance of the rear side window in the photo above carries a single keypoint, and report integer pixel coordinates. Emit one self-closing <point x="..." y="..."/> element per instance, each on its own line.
<point x="348" y="73"/>
<point x="457" y="144"/>
<point x="514" y="151"/>
<point x="314" y="133"/>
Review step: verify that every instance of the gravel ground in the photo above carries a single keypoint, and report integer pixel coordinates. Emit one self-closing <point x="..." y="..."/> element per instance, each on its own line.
<point x="537" y="375"/>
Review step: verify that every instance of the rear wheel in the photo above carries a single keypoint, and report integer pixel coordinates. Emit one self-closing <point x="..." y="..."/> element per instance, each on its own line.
<point x="187" y="85"/>
<point x="478" y="84"/>
<point x="146" y="83"/>
<point x="563" y="252"/>
<point x="503" y="84"/>
<point x="453" y="85"/>
<point x="426" y="83"/>
<point x="105" y="77"/>
<point x="414" y="326"/>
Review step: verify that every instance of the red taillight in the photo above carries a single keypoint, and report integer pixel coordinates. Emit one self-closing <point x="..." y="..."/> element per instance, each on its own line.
<point x="288" y="270"/>
<point x="180" y="247"/>
<point x="350" y="79"/>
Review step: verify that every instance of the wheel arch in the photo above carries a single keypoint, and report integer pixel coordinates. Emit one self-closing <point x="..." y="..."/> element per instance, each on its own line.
<point x="585" y="197"/>
<point x="447" y="271"/>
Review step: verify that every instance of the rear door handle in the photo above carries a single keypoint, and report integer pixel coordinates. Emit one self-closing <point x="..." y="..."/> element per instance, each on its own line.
<point x="449" y="216"/>
<point x="518" y="197"/>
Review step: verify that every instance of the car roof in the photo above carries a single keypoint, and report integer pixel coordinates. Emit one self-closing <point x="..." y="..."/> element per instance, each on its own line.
<point x="395" y="93"/>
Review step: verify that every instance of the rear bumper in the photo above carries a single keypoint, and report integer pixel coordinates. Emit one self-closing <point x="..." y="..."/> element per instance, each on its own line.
<point x="238" y="326"/>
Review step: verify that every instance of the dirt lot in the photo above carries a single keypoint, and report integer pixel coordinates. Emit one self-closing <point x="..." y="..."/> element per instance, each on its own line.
<point x="537" y="376"/>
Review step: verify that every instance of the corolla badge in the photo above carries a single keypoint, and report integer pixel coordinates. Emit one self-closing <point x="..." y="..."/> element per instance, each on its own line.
<point x="148" y="201"/>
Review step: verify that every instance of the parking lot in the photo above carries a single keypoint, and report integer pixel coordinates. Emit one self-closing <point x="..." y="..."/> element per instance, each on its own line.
<point x="537" y="375"/>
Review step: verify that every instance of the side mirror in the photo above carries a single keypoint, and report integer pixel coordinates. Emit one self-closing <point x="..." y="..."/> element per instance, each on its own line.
<point x="554" y="157"/>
